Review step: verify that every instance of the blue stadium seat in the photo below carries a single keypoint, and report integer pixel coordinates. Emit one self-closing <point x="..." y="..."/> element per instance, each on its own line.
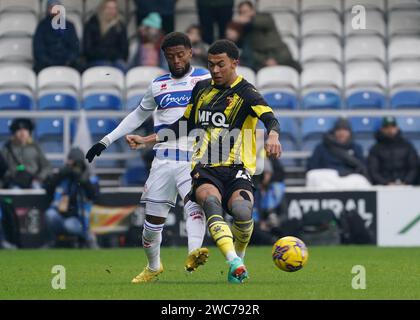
<point x="133" y="101"/>
<point x="321" y="100"/>
<point x="135" y="176"/>
<point x="58" y="101"/>
<point x="281" y="100"/>
<point x="102" y="101"/>
<point x="410" y="126"/>
<point x="407" y="99"/>
<point x="365" y="125"/>
<point x="312" y="130"/>
<point x="317" y="125"/>
<point x="366" y="100"/>
<point x="289" y="128"/>
<point x="15" y="101"/>
<point x="49" y="127"/>
<point x="100" y="127"/>
<point x="4" y="126"/>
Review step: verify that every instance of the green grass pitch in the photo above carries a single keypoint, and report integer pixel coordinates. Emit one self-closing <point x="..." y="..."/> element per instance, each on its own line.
<point x="391" y="273"/>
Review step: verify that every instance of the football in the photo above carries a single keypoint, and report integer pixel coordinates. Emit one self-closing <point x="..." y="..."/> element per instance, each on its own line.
<point x="290" y="254"/>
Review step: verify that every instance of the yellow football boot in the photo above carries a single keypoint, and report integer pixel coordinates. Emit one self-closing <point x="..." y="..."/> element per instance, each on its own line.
<point x="196" y="258"/>
<point x="148" y="275"/>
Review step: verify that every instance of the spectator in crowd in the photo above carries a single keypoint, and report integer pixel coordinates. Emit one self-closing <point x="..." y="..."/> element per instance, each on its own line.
<point x="234" y="33"/>
<point x="165" y="8"/>
<point x="392" y="160"/>
<point x="105" y="40"/>
<point x="337" y="161"/>
<point x="211" y="12"/>
<point x="260" y="34"/>
<point x="70" y="208"/>
<point x="27" y="166"/>
<point x="55" y="46"/>
<point x="148" y="51"/>
<point x="3" y="169"/>
<point x="199" y="47"/>
<point x="269" y="208"/>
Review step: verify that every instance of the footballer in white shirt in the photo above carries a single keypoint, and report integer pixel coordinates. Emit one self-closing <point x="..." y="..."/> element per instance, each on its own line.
<point x="166" y="99"/>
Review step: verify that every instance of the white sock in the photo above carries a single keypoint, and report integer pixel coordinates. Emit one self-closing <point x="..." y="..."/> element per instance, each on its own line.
<point x="195" y="224"/>
<point x="231" y="255"/>
<point x="151" y="238"/>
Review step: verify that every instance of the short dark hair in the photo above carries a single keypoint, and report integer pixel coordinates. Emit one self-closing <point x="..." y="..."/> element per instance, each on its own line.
<point x="174" y="39"/>
<point x="225" y="46"/>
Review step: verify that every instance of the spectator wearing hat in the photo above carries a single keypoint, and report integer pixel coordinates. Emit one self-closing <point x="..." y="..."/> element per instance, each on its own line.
<point x="55" y="46"/>
<point x="70" y="192"/>
<point x="150" y="36"/>
<point x="27" y="166"/>
<point x="337" y="156"/>
<point x="392" y="160"/>
<point x="105" y="40"/>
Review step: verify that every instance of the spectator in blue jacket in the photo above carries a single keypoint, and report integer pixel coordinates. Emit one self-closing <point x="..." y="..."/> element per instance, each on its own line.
<point x="53" y="46"/>
<point x="339" y="152"/>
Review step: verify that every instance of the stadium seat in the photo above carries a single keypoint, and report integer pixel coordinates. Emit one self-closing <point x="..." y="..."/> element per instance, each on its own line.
<point x="404" y="48"/>
<point x="278" y="5"/>
<point x="292" y="44"/>
<point x="247" y="73"/>
<point x="365" y="47"/>
<point x="4" y="128"/>
<point x="365" y="84"/>
<point x="316" y="125"/>
<point x="289" y="128"/>
<point x="368" y="4"/>
<point x="321" y="5"/>
<point x="375" y="24"/>
<point x="410" y="126"/>
<point x="312" y="130"/>
<point x="321" y="48"/>
<point x="321" y="86"/>
<point x="16" y="51"/>
<point x="405" y="85"/>
<point x="102" y="88"/>
<point x="403" y="4"/>
<point x="135" y="176"/>
<point x="286" y="23"/>
<point x="58" y="88"/>
<point x="321" y="23"/>
<point x="76" y="19"/>
<point x="279" y="85"/>
<point x="404" y="22"/>
<point x="137" y="81"/>
<point x="73" y="6"/>
<point x="361" y="125"/>
<point x="17" y="87"/>
<point x="29" y="6"/>
<point x="49" y="127"/>
<point x="17" y="24"/>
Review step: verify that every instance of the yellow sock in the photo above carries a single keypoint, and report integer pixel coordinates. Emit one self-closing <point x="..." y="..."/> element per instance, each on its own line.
<point x="242" y="231"/>
<point x="221" y="235"/>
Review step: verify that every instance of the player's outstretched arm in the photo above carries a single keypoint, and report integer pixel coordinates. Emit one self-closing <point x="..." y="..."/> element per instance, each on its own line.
<point x="272" y="144"/>
<point x="138" y="142"/>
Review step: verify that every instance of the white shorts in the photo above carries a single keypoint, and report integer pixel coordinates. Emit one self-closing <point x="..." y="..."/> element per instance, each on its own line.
<point x="166" y="180"/>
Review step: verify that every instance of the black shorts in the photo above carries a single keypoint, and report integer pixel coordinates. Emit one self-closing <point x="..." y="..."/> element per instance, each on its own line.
<point x="226" y="179"/>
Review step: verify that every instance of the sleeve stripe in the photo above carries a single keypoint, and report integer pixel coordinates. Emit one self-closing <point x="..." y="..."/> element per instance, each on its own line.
<point x="261" y="109"/>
